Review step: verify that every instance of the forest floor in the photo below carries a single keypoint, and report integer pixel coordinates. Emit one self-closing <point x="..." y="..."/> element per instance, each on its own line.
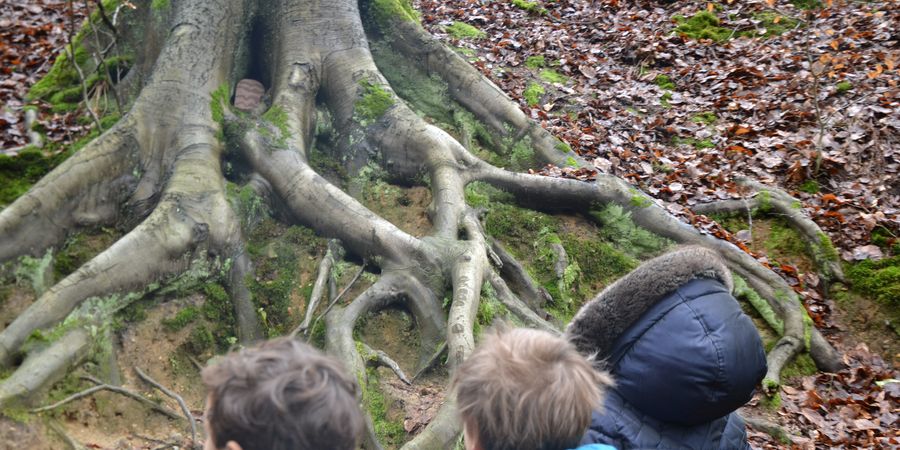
<point x="675" y="97"/>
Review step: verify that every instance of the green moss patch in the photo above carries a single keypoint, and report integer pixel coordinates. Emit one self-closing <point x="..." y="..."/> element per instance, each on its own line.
<point x="372" y="104"/>
<point x="462" y="30"/>
<point x="535" y="62"/>
<point x="552" y="76"/>
<point x="809" y="186"/>
<point x="664" y="82"/>
<point x="181" y="319"/>
<point x="533" y="93"/>
<point x="387" y="11"/>
<point x="702" y="25"/>
<point x="594" y="259"/>
<point x="388" y="429"/>
<point x="279" y="254"/>
<point x="532" y="7"/>
<point x="696" y="143"/>
<point x="80" y="247"/>
<point x="877" y="279"/>
<point x="706" y="118"/>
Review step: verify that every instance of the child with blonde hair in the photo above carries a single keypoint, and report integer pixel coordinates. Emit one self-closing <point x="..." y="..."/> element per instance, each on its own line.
<point x="525" y="389"/>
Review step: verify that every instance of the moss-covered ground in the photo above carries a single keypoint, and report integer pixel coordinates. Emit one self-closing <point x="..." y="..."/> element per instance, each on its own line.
<point x="600" y="247"/>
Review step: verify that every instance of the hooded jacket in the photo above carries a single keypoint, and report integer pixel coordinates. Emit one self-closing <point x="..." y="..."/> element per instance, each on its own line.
<point x="683" y="355"/>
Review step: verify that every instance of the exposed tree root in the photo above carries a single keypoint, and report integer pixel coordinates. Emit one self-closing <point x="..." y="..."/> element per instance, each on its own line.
<point x="516" y="306"/>
<point x="380" y="358"/>
<point x="518" y="279"/>
<point x="166" y="157"/>
<point x="770" y="200"/>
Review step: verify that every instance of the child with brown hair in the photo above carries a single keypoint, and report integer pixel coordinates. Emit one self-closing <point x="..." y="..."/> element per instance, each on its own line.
<point x="524" y="389"/>
<point x="281" y="395"/>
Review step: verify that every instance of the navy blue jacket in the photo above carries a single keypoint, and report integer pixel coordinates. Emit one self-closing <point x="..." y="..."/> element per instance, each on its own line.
<point x="681" y="369"/>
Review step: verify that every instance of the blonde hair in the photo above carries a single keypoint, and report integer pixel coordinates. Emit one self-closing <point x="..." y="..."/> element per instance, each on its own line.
<point x="525" y="389"/>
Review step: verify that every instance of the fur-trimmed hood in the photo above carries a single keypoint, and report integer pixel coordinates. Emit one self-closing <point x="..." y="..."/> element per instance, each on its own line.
<point x="602" y="320"/>
<point x="675" y="340"/>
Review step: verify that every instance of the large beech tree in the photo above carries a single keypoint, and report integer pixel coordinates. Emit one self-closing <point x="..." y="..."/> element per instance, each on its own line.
<point x="158" y="173"/>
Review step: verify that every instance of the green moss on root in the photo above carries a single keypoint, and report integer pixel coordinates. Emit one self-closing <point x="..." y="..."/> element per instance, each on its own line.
<point x="372" y="104"/>
<point x="387" y="11"/>
<point x="389" y="431"/>
<point x="744" y="291"/>
<point x="462" y="30"/>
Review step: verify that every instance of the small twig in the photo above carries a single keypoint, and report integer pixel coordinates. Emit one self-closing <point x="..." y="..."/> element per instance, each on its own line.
<point x="100" y="57"/>
<point x="100" y="386"/>
<point x="58" y="429"/>
<point x="815" y="88"/>
<point x="70" y="53"/>
<point x="105" y="18"/>
<point x="181" y="403"/>
<point x="336" y="299"/>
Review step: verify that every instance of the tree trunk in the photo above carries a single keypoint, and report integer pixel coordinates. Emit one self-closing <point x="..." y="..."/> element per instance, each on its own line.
<point x="161" y="168"/>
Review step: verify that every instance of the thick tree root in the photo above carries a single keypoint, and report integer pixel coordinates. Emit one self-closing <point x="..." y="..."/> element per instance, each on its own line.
<point x="45" y="367"/>
<point x="772" y="200"/>
<point x="563" y="193"/>
<point x="516" y="306"/>
<point x="519" y="279"/>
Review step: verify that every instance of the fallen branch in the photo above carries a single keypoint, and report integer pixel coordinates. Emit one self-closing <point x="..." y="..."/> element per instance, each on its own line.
<point x="181" y="403"/>
<point x="325" y="274"/>
<point x="333" y="302"/>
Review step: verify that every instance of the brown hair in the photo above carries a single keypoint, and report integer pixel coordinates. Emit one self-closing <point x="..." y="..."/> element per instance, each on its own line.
<point x="280" y="395"/>
<point x="525" y="389"/>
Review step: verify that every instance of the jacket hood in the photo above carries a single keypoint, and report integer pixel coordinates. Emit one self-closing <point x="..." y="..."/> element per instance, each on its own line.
<point x="677" y="343"/>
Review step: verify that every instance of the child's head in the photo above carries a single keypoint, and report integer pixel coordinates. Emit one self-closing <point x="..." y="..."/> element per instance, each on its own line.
<point x="526" y="389"/>
<point x="281" y="394"/>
